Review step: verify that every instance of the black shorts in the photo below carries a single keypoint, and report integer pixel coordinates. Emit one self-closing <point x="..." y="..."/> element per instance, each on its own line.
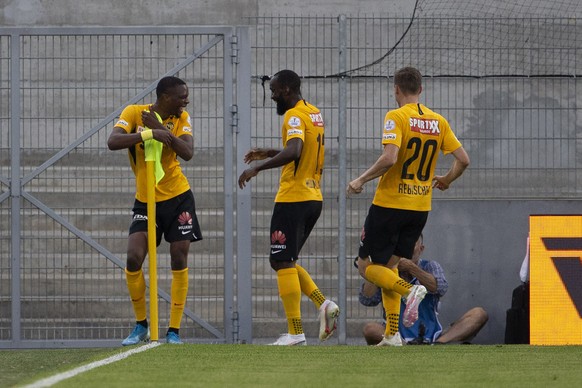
<point x="291" y="224"/>
<point x="175" y="219"/>
<point x="388" y="232"/>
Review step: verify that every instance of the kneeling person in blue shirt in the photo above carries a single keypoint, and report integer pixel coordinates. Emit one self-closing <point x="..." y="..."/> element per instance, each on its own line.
<point x="428" y="329"/>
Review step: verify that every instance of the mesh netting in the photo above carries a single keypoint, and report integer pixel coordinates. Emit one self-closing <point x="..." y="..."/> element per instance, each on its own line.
<point x="472" y="38"/>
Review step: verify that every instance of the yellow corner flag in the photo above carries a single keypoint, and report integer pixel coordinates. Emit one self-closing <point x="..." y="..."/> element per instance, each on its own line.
<point x="153" y="153"/>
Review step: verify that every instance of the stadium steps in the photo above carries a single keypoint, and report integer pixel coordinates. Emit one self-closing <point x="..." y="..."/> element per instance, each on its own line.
<point x="63" y="283"/>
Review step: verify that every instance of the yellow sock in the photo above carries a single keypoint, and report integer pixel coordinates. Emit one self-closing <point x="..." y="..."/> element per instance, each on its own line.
<point x="385" y="278"/>
<point x="179" y="294"/>
<point x="308" y="286"/>
<point x="391" y="303"/>
<point x="137" y="287"/>
<point x="290" y="293"/>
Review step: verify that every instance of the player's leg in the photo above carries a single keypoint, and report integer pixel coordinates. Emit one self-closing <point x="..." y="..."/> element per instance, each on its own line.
<point x="385" y="278"/>
<point x="284" y="249"/>
<point x="466" y="327"/>
<point x="136" y="252"/>
<point x="391" y="303"/>
<point x="180" y="225"/>
<point x="178" y="288"/>
<point x="290" y="294"/>
<point x="328" y="311"/>
<point x="389" y="234"/>
<point x="378" y="241"/>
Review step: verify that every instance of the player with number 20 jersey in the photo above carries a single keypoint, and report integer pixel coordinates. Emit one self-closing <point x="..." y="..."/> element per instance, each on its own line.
<point x="420" y="134"/>
<point x="413" y="137"/>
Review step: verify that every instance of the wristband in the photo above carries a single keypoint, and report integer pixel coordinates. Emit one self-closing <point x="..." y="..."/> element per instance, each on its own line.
<point x="147" y="134"/>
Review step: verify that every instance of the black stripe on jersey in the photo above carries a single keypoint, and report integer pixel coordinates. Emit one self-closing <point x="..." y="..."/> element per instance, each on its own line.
<point x="420" y="112"/>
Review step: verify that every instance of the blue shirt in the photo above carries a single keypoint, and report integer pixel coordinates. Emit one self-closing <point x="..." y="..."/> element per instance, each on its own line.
<point x="427" y="310"/>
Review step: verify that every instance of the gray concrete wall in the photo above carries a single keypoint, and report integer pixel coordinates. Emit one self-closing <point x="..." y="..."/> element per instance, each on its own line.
<point x="178" y="12"/>
<point x="481" y="245"/>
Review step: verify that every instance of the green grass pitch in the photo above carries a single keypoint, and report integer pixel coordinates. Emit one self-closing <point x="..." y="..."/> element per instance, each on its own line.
<point x="193" y="365"/>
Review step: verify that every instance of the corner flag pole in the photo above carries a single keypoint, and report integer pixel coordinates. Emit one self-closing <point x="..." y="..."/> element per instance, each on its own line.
<point x="153" y="268"/>
<point x="154" y="173"/>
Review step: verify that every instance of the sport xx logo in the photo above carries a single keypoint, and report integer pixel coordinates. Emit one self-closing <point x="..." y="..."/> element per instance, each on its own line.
<point x="569" y="268"/>
<point x="426" y="127"/>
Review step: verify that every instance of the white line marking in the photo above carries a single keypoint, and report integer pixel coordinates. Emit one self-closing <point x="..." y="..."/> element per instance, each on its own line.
<point x="72" y="373"/>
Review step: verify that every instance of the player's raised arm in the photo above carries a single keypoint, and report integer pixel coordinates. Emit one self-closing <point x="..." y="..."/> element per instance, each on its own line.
<point x="459" y="165"/>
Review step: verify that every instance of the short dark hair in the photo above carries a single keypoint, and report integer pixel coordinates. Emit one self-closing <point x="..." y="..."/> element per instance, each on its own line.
<point x="409" y="80"/>
<point x="166" y="84"/>
<point x="289" y="78"/>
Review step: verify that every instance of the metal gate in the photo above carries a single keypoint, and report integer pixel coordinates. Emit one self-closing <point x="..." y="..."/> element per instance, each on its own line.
<point x="65" y="199"/>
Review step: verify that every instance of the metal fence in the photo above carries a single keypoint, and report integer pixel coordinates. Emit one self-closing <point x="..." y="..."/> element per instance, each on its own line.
<point x="509" y="87"/>
<point x="65" y="199"/>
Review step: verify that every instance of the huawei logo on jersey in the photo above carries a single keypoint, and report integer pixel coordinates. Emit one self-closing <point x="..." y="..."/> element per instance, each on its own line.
<point x="185" y="219"/>
<point x="278" y="237"/>
<point x="426" y="127"/>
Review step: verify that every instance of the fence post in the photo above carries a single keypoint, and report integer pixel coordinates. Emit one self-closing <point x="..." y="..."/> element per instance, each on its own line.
<point x="15" y="198"/>
<point x="243" y="197"/>
<point x="342" y="130"/>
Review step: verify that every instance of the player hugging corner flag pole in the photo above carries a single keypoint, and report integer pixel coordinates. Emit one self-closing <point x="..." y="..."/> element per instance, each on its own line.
<point x="167" y="122"/>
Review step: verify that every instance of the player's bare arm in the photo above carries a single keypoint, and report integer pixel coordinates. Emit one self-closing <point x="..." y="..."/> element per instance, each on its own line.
<point x="119" y="139"/>
<point x="459" y="165"/>
<point x="290" y="153"/>
<point x="385" y="161"/>
<point x="183" y="146"/>
<point x="159" y="132"/>
<point x="260" y="154"/>
<point x="406" y="266"/>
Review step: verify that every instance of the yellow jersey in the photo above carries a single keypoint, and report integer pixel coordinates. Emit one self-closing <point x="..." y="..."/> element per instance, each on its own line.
<point x="300" y="179"/>
<point x="174" y="181"/>
<point x="419" y="134"/>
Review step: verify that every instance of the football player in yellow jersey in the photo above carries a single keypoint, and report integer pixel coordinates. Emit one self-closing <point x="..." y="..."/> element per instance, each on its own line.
<point x="175" y="208"/>
<point x="297" y="205"/>
<point x="413" y="135"/>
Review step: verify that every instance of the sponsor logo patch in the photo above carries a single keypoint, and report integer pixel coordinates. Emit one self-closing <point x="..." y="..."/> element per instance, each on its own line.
<point x="278" y="242"/>
<point x="294" y="132"/>
<point x="426" y="127"/>
<point x="316" y="119"/>
<point x="388" y="136"/>
<point x="185" y="221"/>
<point x="294" y="121"/>
<point x="122" y="123"/>
<point x="389" y="125"/>
<point x="185" y="218"/>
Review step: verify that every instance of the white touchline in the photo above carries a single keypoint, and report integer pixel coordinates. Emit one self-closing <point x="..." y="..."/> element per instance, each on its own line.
<point x="67" y="375"/>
